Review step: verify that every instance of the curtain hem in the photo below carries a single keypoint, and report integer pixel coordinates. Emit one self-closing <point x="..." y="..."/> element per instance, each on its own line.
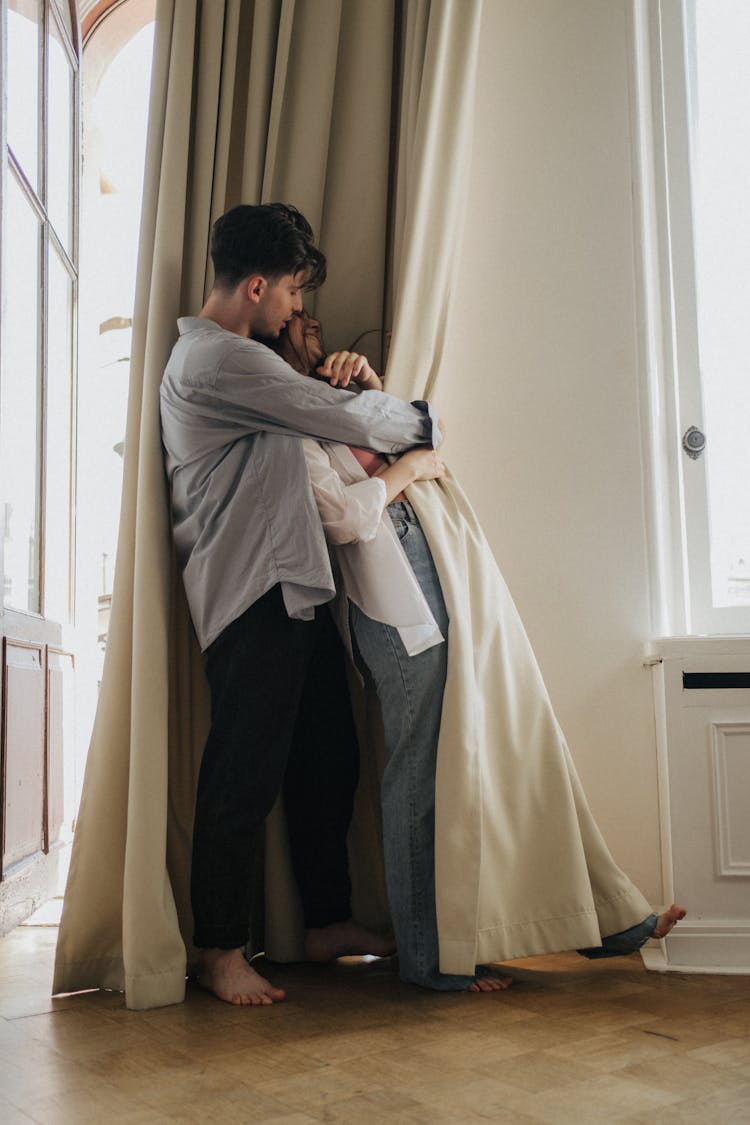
<point x="142" y="990"/>
<point x="548" y="935"/>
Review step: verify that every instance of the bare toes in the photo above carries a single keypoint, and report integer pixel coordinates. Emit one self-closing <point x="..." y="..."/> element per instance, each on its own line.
<point x="486" y="981"/>
<point x="668" y="920"/>
<point x="228" y="976"/>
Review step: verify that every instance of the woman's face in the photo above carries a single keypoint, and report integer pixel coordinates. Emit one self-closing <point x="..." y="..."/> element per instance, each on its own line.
<point x="300" y="343"/>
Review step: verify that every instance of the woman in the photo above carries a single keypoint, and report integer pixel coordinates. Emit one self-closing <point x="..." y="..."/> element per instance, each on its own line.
<point x="399" y="624"/>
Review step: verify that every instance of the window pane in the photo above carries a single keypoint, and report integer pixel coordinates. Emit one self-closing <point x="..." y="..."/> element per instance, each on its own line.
<point x="19" y="403"/>
<point x="63" y="7"/>
<point x="58" y="492"/>
<point x="24" y="21"/>
<point x="722" y="234"/>
<point x="60" y="138"/>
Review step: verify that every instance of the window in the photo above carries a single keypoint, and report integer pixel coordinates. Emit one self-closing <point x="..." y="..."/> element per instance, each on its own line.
<point x="39" y="288"/>
<point x="694" y="102"/>
<point x="62" y="395"/>
<point x="39" y="74"/>
<point x="117" y="59"/>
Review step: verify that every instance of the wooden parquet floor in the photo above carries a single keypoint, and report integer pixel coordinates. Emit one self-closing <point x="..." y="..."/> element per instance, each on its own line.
<point x="573" y="1041"/>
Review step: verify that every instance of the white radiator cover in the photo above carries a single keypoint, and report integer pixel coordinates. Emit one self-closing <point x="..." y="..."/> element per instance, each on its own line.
<point x="703" y="740"/>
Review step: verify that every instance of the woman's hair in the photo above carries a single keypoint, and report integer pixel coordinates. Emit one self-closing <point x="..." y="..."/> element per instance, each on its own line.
<point x="296" y="357"/>
<point x="271" y="239"/>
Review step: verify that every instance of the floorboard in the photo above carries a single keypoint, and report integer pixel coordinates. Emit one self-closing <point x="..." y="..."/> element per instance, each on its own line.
<point x="572" y="1041"/>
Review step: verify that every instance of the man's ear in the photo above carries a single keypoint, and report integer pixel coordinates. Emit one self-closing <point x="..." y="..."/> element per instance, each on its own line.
<point x="255" y="288"/>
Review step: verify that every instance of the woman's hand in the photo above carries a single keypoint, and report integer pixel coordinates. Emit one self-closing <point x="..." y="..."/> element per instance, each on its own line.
<point x="423" y="463"/>
<point x="343" y="368"/>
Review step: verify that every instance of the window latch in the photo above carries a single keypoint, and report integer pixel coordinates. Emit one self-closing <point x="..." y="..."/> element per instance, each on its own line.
<point x="693" y="442"/>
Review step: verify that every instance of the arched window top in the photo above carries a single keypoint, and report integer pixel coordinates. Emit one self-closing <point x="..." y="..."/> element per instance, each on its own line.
<point x="129" y="16"/>
<point x="107" y="26"/>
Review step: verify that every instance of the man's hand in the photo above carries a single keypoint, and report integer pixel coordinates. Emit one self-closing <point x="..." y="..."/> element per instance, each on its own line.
<point x="343" y="368"/>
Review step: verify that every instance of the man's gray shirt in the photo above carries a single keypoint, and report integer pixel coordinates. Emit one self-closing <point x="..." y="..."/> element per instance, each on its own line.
<point x="244" y="517"/>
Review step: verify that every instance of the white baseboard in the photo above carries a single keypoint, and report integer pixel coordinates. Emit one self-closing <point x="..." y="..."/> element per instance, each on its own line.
<point x="701" y="947"/>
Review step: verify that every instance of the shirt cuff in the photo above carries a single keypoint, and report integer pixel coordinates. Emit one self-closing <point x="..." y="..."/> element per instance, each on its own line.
<point x="428" y="409"/>
<point x="383" y="494"/>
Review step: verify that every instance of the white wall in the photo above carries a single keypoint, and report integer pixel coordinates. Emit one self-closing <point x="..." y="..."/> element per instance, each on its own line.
<point x="540" y="386"/>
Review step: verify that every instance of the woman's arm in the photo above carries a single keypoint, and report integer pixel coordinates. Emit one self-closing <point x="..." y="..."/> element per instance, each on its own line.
<point x="417" y="464"/>
<point x="351" y="513"/>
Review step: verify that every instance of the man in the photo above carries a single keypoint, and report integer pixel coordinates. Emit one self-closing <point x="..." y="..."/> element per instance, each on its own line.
<point x="257" y="577"/>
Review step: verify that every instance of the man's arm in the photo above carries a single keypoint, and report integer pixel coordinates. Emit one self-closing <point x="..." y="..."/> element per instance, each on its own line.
<point x="255" y="387"/>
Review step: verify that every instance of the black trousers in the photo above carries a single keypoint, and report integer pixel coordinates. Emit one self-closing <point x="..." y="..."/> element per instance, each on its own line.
<point x="280" y="717"/>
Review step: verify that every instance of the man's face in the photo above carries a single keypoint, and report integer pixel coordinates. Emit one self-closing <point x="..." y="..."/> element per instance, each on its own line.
<point x="278" y="304"/>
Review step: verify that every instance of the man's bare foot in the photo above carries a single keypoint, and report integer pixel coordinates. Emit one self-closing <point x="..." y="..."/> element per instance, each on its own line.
<point x="226" y="973"/>
<point x="668" y="920"/>
<point x="489" y="980"/>
<point x="346" y="939"/>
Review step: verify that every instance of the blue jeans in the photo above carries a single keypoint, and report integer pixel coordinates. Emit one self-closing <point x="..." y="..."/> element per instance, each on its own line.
<point x="410" y="692"/>
<point x="627" y="941"/>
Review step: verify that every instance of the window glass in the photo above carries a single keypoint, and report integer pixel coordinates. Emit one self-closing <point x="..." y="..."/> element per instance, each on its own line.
<point x="115" y="114"/>
<point x="23" y="87"/>
<point x="63" y="7"/>
<point x="60" y="138"/>
<point x="19" y="402"/>
<point x="58" y="491"/>
<point x="721" y="190"/>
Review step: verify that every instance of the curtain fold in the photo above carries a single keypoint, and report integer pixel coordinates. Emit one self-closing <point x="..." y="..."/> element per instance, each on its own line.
<point x="119" y="927"/>
<point x="441" y="44"/>
<point x="334" y="119"/>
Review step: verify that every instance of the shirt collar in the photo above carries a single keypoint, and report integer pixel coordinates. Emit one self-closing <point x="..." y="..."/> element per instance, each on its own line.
<point x="196" y="324"/>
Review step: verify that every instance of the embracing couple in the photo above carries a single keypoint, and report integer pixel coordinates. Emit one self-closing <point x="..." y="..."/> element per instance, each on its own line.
<point x="278" y="481"/>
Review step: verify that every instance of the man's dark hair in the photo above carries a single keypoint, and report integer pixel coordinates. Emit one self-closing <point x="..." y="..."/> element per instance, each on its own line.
<point x="272" y="239"/>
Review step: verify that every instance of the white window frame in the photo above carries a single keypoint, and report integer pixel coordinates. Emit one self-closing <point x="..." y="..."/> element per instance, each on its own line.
<point x="51" y="243"/>
<point x="676" y="486"/>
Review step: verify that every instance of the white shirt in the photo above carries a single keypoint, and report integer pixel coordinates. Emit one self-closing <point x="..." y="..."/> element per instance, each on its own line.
<point x="375" y="571"/>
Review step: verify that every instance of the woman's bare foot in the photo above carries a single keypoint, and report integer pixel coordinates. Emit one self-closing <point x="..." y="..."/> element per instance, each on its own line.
<point x="489" y="980"/>
<point x="346" y="939"/>
<point x="226" y="973"/>
<point x="668" y="920"/>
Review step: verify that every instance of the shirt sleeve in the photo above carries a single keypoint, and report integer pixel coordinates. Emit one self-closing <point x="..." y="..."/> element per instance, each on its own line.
<point x="256" y="387"/>
<point x="350" y="513"/>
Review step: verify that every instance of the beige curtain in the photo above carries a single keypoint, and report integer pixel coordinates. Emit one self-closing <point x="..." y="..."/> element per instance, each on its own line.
<point x="441" y="44"/>
<point x="521" y="867"/>
<point x="252" y="100"/>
